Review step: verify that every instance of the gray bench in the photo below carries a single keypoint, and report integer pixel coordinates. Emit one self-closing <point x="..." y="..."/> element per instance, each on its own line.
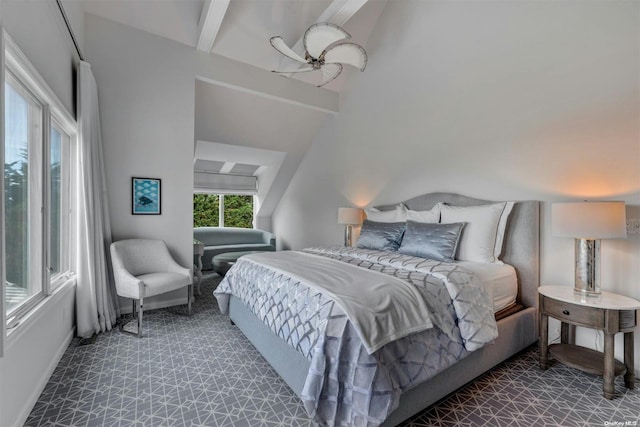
<point x="223" y="262"/>
<point x="218" y="240"/>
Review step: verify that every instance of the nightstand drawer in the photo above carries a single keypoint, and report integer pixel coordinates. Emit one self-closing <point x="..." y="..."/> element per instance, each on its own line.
<point x="628" y="320"/>
<point x="587" y="316"/>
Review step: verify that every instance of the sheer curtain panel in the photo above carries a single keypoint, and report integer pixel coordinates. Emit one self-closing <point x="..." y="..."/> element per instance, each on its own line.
<point x="95" y="296"/>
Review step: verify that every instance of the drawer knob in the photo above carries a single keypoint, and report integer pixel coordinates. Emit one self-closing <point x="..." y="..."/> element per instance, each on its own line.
<point x="565" y="312"/>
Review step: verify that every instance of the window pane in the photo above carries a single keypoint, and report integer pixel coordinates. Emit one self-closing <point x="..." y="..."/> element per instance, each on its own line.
<point x="22" y="213"/>
<point x="238" y="211"/>
<point x="59" y="203"/>
<point x="205" y="210"/>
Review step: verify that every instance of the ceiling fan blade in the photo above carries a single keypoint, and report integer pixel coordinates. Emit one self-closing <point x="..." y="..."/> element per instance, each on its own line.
<point x="329" y="73"/>
<point x="319" y="36"/>
<point x="278" y="44"/>
<point x="295" y="70"/>
<point x="346" y="53"/>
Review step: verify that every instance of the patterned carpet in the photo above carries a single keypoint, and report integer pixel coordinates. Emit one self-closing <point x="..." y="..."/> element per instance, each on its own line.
<point x="201" y="371"/>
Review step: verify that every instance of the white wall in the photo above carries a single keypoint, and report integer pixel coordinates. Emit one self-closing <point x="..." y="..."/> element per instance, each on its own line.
<point x="227" y="116"/>
<point x="146" y="88"/>
<point x="146" y="95"/>
<point x="33" y="350"/>
<point x="496" y="100"/>
<point x="39" y="31"/>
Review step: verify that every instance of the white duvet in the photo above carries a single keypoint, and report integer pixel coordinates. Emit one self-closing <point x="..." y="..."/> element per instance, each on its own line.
<point x="381" y="308"/>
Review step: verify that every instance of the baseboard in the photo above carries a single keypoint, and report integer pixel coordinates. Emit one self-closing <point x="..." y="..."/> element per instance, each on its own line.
<point x="33" y="398"/>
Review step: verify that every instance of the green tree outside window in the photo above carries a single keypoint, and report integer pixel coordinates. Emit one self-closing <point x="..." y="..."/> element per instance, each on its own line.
<point x="238" y="210"/>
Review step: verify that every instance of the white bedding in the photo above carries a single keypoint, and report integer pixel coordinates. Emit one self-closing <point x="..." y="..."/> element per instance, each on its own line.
<point x="369" y="298"/>
<point x="500" y="281"/>
<point x="346" y="385"/>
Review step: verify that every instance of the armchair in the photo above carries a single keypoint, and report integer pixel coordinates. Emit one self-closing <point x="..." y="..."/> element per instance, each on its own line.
<point x="143" y="268"/>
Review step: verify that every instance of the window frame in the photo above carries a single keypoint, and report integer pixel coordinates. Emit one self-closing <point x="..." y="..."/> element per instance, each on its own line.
<point x="3" y="324"/>
<point x="54" y="113"/>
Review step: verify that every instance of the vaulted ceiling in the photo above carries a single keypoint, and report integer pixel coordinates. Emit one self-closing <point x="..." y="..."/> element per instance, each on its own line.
<point x="232" y="116"/>
<point x="240" y="29"/>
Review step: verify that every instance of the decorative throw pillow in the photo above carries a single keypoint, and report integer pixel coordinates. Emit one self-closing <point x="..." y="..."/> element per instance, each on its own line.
<point x="482" y="237"/>
<point x="399" y="214"/>
<point x="433" y="241"/>
<point x="381" y="236"/>
<point x="431" y="216"/>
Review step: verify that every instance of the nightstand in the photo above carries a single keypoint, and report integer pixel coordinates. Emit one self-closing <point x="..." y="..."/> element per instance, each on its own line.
<point x="608" y="312"/>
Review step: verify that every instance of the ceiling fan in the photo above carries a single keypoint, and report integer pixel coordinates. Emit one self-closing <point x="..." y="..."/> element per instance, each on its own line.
<point x="325" y="50"/>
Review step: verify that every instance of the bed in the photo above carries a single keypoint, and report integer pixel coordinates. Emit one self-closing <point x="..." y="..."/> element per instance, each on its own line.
<point x="516" y="325"/>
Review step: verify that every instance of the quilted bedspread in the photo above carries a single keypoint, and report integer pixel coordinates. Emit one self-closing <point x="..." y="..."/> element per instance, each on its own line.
<point x="345" y="385"/>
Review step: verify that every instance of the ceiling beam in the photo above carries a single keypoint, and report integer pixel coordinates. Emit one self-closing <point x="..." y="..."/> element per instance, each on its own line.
<point x="338" y="13"/>
<point x="226" y="72"/>
<point x="210" y="22"/>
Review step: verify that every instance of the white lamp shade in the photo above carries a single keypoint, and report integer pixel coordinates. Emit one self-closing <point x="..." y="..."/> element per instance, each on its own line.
<point x="349" y="216"/>
<point x="589" y="220"/>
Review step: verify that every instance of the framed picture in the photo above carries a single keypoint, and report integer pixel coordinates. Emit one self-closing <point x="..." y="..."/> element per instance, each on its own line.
<point x="146" y="196"/>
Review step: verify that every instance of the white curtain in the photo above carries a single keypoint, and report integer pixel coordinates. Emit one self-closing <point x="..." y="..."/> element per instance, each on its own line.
<point x="95" y="296"/>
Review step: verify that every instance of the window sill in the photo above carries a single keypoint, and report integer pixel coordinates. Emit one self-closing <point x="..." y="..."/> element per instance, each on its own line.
<point x="31" y="319"/>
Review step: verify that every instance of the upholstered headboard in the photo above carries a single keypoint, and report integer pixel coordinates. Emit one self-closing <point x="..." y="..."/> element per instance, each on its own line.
<point x="521" y="247"/>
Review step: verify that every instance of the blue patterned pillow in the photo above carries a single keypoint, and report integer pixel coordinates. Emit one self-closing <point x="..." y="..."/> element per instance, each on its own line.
<point x="433" y="241"/>
<point x="381" y="236"/>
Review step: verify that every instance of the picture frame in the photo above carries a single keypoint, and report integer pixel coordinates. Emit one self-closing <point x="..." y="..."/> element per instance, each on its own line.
<point x="146" y="196"/>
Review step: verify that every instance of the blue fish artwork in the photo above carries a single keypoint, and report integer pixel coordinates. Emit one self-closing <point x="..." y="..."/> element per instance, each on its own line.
<point x="146" y="196"/>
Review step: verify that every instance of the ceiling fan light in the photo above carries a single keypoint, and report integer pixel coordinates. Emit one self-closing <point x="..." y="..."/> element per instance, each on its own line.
<point x="329" y="73"/>
<point x="325" y="50"/>
<point x="304" y="69"/>
<point x="346" y="53"/>
<point x="278" y="44"/>
<point x="320" y="35"/>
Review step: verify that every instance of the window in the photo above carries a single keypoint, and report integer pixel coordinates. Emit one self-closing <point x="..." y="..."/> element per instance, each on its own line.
<point x="222" y="210"/>
<point x="38" y="175"/>
<point x="23" y="221"/>
<point x="59" y="204"/>
<point x="238" y="211"/>
<point x="206" y="210"/>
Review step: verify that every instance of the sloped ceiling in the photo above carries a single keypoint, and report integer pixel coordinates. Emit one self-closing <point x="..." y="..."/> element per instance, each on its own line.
<point x="246" y="120"/>
<point x="240" y="30"/>
<point x="245" y="25"/>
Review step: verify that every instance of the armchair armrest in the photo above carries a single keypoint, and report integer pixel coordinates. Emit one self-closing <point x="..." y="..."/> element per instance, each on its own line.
<point x="126" y="283"/>
<point x="174" y="267"/>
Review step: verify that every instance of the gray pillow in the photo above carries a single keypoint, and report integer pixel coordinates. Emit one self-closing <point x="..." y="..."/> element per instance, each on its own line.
<point x="433" y="241"/>
<point x="381" y="236"/>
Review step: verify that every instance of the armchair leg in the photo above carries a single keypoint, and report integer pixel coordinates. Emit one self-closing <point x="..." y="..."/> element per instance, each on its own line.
<point x="189" y="296"/>
<point x="140" y="319"/>
<point x="136" y="312"/>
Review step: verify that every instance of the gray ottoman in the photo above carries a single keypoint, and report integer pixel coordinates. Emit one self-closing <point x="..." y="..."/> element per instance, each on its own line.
<point x="223" y="262"/>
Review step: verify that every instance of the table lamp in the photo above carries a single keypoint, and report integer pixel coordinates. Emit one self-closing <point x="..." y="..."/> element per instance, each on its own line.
<point x="588" y="222"/>
<point x="349" y="217"/>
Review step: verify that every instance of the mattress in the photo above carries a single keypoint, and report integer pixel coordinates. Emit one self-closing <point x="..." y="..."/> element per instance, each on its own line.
<point x="499" y="280"/>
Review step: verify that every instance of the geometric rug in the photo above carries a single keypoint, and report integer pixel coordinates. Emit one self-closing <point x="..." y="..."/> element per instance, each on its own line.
<point x="202" y="371"/>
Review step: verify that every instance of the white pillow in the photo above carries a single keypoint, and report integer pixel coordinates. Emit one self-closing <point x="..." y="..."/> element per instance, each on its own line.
<point x="399" y="214"/>
<point x="428" y="217"/>
<point x="502" y="226"/>
<point x="483" y="234"/>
